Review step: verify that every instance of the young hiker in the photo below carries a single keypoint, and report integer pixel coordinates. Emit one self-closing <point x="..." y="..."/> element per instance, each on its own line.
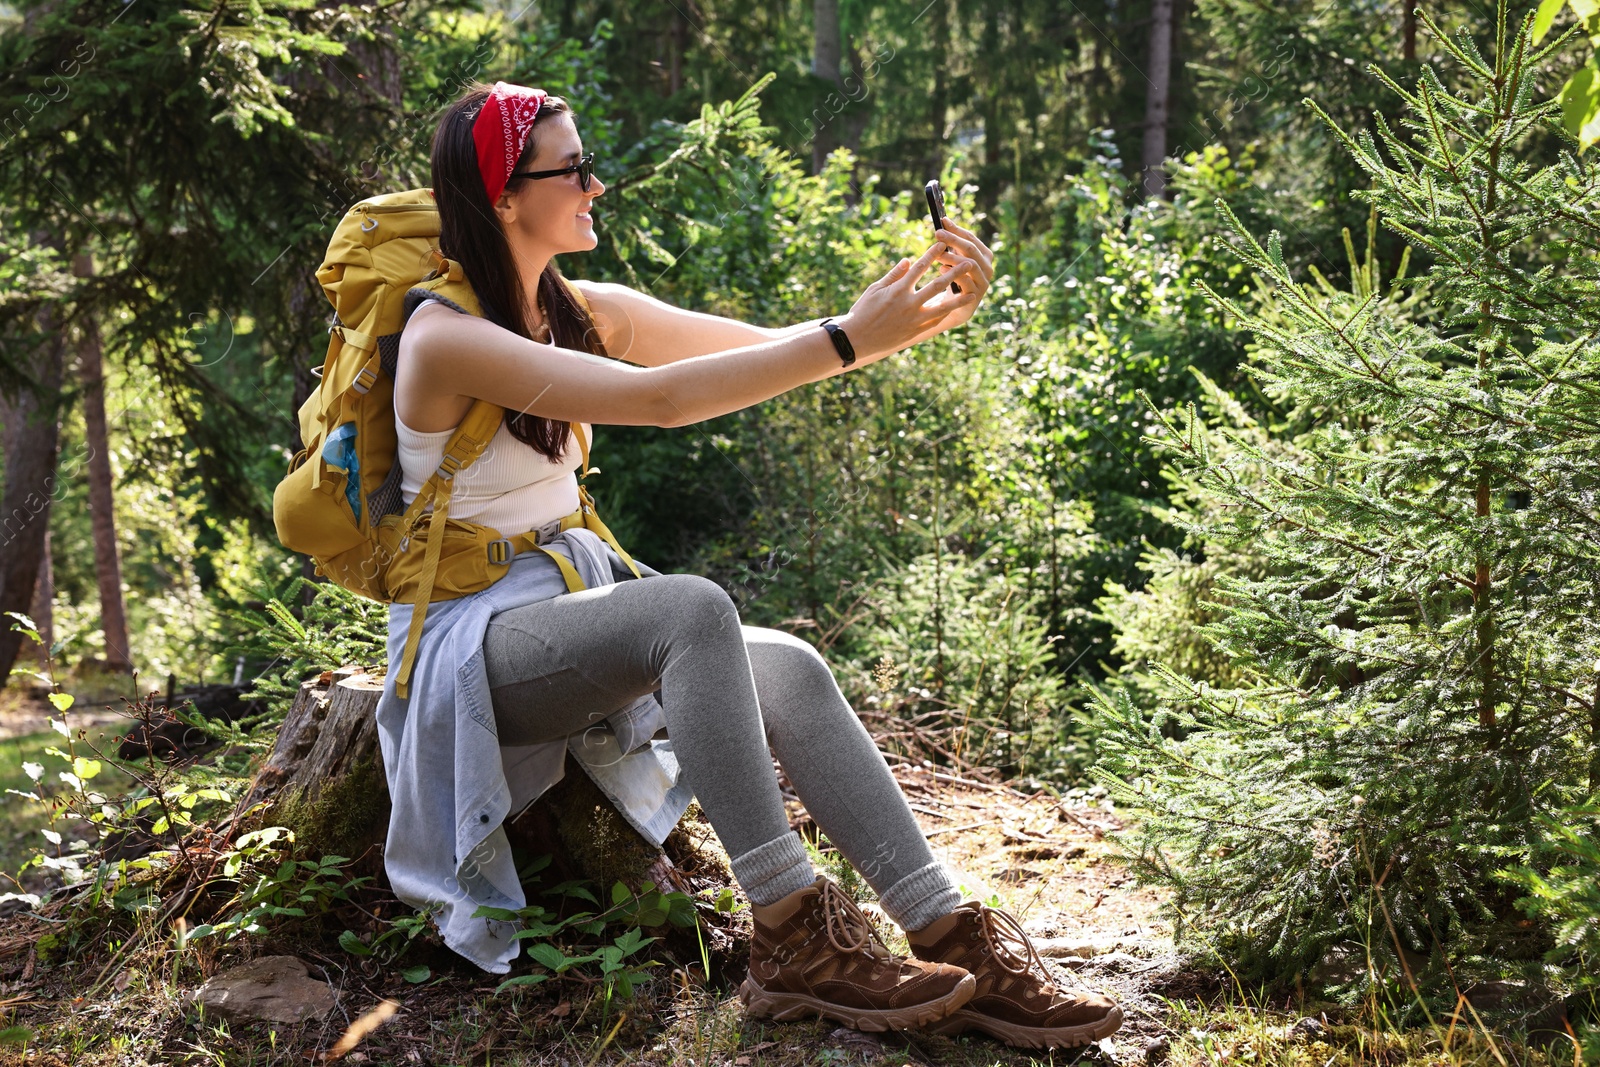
<point x="521" y="672"/>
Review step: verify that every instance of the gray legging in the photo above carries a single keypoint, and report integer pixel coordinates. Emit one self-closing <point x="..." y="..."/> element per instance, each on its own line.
<point x="727" y="691"/>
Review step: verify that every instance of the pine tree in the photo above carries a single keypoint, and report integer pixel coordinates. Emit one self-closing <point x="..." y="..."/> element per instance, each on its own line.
<point x="1418" y="656"/>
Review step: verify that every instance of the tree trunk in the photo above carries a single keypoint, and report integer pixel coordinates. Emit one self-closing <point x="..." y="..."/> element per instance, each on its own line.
<point x="31" y="440"/>
<point x="325" y="781"/>
<point x="853" y="123"/>
<point x="941" y="48"/>
<point x="1159" y="76"/>
<point x="825" y="65"/>
<point x="43" y="613"/>
<point x="677" y="41"/>
<point x="107" y="564"/>
<point x="990" y="177"/>
<point x="1408" y="30"/>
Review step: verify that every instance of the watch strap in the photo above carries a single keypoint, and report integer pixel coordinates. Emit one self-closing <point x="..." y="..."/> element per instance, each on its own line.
<point x="841" y="341"/>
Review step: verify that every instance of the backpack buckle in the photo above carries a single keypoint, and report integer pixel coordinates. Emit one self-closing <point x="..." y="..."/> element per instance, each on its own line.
<point x="500" y="551"/>
<point x="365" y="380"/>
<point x="448" y="466"/>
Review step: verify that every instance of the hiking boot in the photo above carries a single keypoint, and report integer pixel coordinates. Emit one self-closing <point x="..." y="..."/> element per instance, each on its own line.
<point x="815" y="953"/>
<point x="1016" y="1001"/>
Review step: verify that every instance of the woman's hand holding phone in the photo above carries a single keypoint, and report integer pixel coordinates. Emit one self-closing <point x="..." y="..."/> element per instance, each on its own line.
<point x="962" y="247"/>
<point x="893" y="313"/>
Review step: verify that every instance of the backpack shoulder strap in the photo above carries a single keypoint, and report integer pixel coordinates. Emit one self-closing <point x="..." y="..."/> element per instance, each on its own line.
<point x="464" y="446"/>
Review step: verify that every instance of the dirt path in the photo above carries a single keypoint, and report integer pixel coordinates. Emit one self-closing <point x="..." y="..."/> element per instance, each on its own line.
<point x="1052" y="866"/>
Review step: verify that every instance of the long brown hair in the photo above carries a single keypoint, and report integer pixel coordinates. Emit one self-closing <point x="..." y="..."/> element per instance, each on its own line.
<point x="471" y="234"/>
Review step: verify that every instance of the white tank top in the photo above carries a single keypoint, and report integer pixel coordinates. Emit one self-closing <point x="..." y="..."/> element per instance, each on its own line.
<point x="510" y="487"/>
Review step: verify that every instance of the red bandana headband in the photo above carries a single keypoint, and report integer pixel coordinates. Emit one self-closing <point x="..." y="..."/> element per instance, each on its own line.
<point x="501" y="130"/>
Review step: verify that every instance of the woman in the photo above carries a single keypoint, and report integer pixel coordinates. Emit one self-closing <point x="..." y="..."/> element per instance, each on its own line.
<point x="514" y="190"/>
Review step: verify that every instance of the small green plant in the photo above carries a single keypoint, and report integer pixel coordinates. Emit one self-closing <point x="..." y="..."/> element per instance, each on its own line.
<point x="392" y="942"/>
<point x="295" y="888"/>
<point x="164" y="805"/>
<point x="169" y="809"/>
<point x="557" y="952"/>
<point x="335" y="627"/>
<point x="830" y="861"/>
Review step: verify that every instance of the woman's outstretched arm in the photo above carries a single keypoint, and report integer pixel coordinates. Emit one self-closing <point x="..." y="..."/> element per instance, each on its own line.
<point x="648" y="332"/>
<point x="468" y="356"/>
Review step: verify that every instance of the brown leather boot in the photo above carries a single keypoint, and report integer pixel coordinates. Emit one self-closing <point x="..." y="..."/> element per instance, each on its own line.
<point x="815" y="953"/>
<point x="1016" y="1001"/>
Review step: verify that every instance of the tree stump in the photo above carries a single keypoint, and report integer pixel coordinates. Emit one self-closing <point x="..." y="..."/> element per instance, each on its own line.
<point x="325" y="781"/>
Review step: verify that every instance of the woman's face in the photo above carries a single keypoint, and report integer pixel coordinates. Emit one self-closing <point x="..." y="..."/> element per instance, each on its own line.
<point x="552" y="214"/>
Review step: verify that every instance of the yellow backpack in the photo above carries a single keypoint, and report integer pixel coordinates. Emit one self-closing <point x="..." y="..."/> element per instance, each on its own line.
<point x="340" y="502"/>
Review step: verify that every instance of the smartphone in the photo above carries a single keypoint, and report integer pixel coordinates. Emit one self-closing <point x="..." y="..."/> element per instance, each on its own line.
<point x="935" y="197"/>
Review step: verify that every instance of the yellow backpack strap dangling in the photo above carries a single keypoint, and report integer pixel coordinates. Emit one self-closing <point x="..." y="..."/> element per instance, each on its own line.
<point x="586" y="509"/>
<point x="463" y="448"/>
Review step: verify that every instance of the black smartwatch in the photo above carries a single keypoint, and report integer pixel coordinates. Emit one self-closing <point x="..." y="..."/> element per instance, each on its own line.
<point x="841" y="342"/>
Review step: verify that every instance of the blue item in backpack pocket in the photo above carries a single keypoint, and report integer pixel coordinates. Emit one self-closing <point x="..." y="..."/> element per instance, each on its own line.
<point x="339" y="450"/>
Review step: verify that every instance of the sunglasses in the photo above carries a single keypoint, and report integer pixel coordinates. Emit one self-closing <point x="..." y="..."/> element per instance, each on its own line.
<point x="584" y="167"/>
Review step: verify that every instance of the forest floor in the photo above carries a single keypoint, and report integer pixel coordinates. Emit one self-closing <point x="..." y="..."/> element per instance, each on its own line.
<point x="1050" y="861"/>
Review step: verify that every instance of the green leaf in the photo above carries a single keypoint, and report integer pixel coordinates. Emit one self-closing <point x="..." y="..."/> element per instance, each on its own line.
<point x="16" y="1035"/>
<point x="62" y="701"/>
<point x="620" y="894"/>
<point x="1548" y="9"/>
<point x="521" y="979"/>
<point x="682" y="909"/>
<point x="536" y="930"/>
<point x="572" y="888"/>
<point x="24" y="623"/>
<point x="533" y="867"/>
<point x="547" y="955"/>
<point x="85" y="768"/>
<point x="1580" y="104"/>
<point x="351" y="942"/>
<point x="632" y="941"/>
<point x="416" y="974"/>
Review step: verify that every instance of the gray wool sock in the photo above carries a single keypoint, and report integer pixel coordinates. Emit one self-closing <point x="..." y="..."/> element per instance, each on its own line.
<point x="922" y="896"/>
<point x="770" y="872"/>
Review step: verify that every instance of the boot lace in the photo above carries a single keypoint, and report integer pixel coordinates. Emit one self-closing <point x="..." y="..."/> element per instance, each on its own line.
<point x="847" y="926"/>
<point x="1004" y="934"/>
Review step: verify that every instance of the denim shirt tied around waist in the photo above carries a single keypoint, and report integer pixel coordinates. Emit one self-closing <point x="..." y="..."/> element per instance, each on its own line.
<point x="452" y="784"/>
